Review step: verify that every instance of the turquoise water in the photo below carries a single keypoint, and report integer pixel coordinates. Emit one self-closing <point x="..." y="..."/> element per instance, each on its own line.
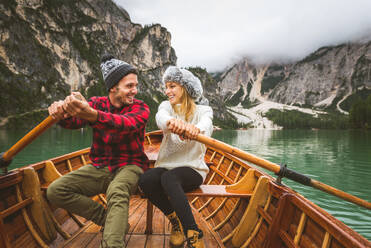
<point x="54" y="142"/>
<point x="341" y="159"/>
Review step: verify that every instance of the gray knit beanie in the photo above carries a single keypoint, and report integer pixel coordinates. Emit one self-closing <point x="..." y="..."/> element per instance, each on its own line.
<point x="114" y="70"/>
<point x="189" y="81"/>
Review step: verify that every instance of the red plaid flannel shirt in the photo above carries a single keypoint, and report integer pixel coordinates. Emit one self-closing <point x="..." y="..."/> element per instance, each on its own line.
<point x="118" y="133"/>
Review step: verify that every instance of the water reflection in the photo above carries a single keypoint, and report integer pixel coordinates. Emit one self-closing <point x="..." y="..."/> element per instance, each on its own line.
<point x="53" y="142"/>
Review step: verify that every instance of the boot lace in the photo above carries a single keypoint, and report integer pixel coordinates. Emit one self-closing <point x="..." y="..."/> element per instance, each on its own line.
<point x="175" y="225"/>
<point x="193" y="240"/>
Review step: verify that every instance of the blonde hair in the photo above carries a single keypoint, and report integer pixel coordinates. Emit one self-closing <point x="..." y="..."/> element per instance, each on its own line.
<point x="186" y="107"/>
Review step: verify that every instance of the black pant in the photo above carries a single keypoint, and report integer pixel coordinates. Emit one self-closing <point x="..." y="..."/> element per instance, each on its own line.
<point x="165" y="189"/>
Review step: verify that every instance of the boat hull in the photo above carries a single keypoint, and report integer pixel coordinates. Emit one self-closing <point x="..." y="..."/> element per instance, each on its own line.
<point x="271" y="215"/>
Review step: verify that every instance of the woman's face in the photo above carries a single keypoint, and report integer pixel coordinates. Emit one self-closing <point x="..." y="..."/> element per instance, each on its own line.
<point x="174" y="92"/>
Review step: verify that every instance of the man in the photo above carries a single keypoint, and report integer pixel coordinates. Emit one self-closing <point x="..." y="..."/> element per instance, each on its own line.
<point x="118" y="122"/>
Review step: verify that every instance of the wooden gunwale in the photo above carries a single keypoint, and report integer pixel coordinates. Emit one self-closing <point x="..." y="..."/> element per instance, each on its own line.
<point x="10" y="179"/>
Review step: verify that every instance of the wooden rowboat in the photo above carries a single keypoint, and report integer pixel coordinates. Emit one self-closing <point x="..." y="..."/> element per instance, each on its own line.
<point x="240" y="206"/>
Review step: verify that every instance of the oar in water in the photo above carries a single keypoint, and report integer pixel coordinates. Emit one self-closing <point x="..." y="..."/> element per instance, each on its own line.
<point x="281" y="171"/>
<point x="7" y="156"/>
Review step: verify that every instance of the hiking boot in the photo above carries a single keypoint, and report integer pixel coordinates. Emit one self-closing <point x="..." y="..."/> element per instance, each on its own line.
<point x="194" y="239"/>
<point x="176" y="236"/>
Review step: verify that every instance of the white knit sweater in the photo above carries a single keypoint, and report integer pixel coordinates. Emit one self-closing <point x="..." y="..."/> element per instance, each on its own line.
<point x="175" y="152"/>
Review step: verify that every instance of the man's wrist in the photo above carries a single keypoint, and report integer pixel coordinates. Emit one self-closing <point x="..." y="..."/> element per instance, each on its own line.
<point x="92" y="116"/>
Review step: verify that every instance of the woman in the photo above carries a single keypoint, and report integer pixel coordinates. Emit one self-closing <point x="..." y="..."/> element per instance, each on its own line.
<point x="180" y="166"/>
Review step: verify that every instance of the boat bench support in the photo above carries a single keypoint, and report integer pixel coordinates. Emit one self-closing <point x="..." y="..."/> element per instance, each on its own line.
<point x="50" y="173"/>
<point x="251" y="217"/>
<point x="30" y="203"/>
<point x="38" y="209"/>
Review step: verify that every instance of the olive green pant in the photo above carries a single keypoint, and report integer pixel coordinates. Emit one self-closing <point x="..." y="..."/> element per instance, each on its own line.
<point x="73" y="191"/>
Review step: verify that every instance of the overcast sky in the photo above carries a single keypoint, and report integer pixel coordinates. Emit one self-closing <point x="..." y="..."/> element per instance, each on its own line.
<point x="214" y="34"/>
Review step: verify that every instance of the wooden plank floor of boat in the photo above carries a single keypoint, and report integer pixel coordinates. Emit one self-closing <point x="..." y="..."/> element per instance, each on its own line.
<point x="90" y="235"/>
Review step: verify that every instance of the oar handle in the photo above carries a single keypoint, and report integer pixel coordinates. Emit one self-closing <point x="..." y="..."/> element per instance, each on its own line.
<point x="277" y="170"/>
<point x="28" y="138"/>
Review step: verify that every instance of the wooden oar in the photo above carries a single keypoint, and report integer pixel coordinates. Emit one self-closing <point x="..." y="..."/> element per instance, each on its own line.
<point x="282" y="171"/>
<point x="27" y="139"/>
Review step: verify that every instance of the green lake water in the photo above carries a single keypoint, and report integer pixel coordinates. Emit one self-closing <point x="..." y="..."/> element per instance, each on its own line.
<point x="341" y="159"/>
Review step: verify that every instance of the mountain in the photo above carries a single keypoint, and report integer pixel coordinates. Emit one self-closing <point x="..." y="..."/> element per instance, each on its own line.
<point x="49" y="48"/>
<point x="330" y="79"/>
<point x="327" y="77"/>
<point x="52" y="47"/>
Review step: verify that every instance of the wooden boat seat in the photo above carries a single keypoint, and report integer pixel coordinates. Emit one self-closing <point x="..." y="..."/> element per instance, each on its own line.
<point x="217" y="191"/>
<point x="206" y="190"/>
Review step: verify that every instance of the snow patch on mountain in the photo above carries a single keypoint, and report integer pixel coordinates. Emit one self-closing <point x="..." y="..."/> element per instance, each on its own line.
<point x="255" y="115"/>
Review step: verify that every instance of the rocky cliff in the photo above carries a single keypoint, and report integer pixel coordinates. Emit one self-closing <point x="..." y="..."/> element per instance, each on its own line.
<point x="52" y="47"/>
<point x="222" y="118"/>
<point x="49" y="48"/>
<point x="329" y="79"/>
<point x="326" y="77"/>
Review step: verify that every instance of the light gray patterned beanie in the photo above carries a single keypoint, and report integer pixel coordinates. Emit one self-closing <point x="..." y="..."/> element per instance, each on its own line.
<point x="189" y="81"/>
<point x="113" y="70"/>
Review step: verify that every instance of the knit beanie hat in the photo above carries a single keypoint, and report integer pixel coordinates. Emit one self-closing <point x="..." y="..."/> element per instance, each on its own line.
<point x="114" y="70"/>
<point x="190" y="82"/>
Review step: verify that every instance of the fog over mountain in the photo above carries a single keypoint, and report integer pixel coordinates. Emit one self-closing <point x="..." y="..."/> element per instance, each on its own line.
<point x="215" y="34"/>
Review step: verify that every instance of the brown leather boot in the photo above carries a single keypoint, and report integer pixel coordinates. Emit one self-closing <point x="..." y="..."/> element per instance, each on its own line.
<point x="194" y="239"/>
<point x="176" y="236"/>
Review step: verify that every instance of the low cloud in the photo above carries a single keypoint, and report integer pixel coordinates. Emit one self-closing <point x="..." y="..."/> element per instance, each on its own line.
<point x="215" y="34"/>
